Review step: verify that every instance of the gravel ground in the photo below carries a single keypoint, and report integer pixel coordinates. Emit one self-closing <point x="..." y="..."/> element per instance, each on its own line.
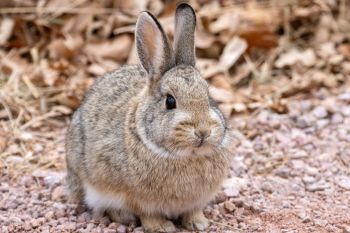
<point x="290" y="173"/>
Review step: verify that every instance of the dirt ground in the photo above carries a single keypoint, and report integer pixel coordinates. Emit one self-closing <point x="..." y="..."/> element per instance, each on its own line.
<point x="289" y="174"/>
<point x="279" y="71"/>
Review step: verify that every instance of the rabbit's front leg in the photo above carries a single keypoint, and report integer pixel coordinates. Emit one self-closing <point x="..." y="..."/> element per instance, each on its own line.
<point x="153" y="224"/>
<point x="121" y="216"/>
<point x="195" y="221"/>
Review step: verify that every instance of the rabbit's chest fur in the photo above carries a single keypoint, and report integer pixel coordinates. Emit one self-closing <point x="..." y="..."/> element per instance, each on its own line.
<point x="174" y="187"/>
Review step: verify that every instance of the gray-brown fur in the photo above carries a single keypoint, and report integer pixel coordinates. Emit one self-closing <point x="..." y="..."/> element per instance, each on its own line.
<point x="128" y="147"/>
<point x="185" y="24"/>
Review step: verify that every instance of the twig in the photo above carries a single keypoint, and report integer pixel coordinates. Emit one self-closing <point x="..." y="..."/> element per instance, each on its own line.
<point x="8" y="112"/>
<point x="30" y="86"/>
<point x="39" y="118"/>
<point x="222" y="224"/>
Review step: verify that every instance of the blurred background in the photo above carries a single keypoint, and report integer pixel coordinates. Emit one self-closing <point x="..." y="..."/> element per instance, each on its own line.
<point x="255" y="54"/>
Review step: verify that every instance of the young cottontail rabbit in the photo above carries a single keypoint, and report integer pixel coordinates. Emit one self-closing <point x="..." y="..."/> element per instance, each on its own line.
<point x="148" y="141"/>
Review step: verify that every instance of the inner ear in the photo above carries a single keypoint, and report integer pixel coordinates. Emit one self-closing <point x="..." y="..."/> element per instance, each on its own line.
<point x="153" y="48"/>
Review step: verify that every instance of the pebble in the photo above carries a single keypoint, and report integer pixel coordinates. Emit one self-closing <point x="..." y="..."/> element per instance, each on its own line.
<point x="319" y="186"/>
<point x="220" y="197"/>
<point x="282" y="172"/>
<point x="303" y="216"/>
<point x="322" y="123"/>
<point x="344" y="96"/>
<point x="346" y="229"/>
<point x="320" y="222"/>
<point x="337" y="118"/>
<point x="345" y="111"/>
<point x="49" y="215"/>
<point x="58" y="193"/>
<point x="320" y="112"/>
<point x="285" y="204"/>
<point x="229" y="206"/>
<point x="60" y="213"/>
<point x="34" y="223"/>
<point x="343" y="182"/>
<point x="309" y="179"/>
<point x="267" y="187"/>
<point x="304" y="121"/>
<point x="305" y="105"/>
<point x="233" y="185"/>
<point x="238" y="203"/>
<point x="120" y="229"/>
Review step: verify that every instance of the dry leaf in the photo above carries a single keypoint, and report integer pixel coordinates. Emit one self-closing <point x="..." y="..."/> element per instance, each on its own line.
<point x="117" y="49"/>
<point x="229" y="21"/>
<point x="221" y="95"/>
<point x="259" y="37"/>
<point x="6" y="28"/>
<point x="65" y="48"/>
<point x="232" y="51"/>
<point x="307" y="58"/>
<point x="221" y="81"/>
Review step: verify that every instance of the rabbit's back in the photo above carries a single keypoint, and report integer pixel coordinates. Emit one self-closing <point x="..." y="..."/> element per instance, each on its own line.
<point x="96" y="130"/>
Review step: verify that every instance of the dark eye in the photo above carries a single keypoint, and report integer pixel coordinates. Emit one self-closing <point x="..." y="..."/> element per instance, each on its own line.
<point x="170" y="102"/>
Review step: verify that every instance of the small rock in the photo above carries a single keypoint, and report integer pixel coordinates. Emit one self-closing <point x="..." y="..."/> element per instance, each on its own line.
<point x="70" y="226"/>
<point x="233" y="185"/>
<point x="90" y="226"/>
<point x="346" y="229"/>
<point x="49" y="215"/>
<point x="303" y="216"/>
<point x="343" y="182"/>
<point x="120" y="229"/>
<point x="309" y="179"/>
<point x="337" y="118"/>
<point x="220" y="197"/>
<point x="319" y="186"/>
<point x="107" y="230"/>
<point x="298" y="164"/>
<point x="229" y="206"/>
<point x="344" y="96"/>
<point x="57" y="193"/>
<point x="345" y="111"/>
<point x="304" y="121"/>
<point x="34" y="223"/>
<point x="60" y="213"/>
<point x="320" y="124"/>
<point x="138" y="230"/>
<point x="282" y="171"/>
<point x="320" y="112"/>
<point x="305" y="105"/>
<point x="306" y="220"/>
<point x="285" y="204"/>
<point x="320" y="222"/>
<point x="238" y="203"/>
<point x="267" y="187"/>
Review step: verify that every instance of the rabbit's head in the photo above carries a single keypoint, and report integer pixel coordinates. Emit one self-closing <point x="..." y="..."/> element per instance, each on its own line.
<point x="175" y="117"/>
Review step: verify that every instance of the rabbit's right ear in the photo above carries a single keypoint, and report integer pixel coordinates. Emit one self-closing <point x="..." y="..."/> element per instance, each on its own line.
<point x="153" y="48"/>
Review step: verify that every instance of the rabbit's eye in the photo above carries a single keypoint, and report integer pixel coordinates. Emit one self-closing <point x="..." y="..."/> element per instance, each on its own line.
<point x="170" y="102"/>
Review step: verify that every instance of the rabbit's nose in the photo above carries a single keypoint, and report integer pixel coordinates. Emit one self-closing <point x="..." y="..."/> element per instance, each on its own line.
<point x="202" y="133"/>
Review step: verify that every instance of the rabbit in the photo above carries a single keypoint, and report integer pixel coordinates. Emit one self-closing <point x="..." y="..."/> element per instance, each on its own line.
<point x="148" y="142"/>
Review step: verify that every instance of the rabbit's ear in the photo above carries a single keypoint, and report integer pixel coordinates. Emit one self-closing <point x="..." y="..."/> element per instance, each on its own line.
<point x="185" y="24"/>
<point x="153" y="48"/>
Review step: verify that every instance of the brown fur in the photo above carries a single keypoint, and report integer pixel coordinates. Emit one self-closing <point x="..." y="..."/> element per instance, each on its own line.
<point x="123" y="142"/>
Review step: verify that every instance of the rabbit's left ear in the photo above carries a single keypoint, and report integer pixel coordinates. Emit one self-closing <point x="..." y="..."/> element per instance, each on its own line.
<point x="185" y="24"/>
<point x="153" y="47"/>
